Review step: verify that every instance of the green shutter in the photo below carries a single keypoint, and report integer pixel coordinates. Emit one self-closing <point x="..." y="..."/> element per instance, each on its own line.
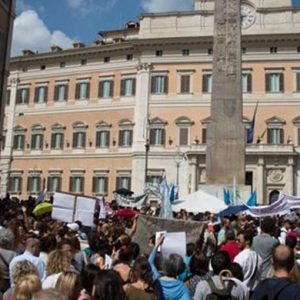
<point x="133" y="86"/>
<point x="100" y="89"/>
<point x="56" y="93"/>
<point x="77" y="90"/>
<point x="281" y="82"/>
<point x="123" y="82"/>
<point x="111" y="91"/>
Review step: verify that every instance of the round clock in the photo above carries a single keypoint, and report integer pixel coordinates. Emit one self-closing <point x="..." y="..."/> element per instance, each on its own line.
<point x="247" y="15"/>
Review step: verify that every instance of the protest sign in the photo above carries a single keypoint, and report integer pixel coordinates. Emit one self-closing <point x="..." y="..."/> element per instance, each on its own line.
<point x="174" y="242"/>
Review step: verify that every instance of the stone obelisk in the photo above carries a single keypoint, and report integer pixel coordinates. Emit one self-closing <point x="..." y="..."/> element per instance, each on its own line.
<point x="225" y="154"/>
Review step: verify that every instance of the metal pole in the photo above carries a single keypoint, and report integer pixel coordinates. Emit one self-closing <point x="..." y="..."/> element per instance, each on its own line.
<point x="177" y="175"/>
<point x="147" y="147"/>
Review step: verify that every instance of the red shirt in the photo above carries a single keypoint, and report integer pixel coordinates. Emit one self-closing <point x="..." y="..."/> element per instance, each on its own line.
<point x="232" y="249"/>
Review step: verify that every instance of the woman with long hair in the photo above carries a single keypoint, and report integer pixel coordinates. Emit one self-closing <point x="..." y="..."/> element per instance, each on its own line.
<point x="141" y="284"/>
<point x="58" y="262"/>
<point x="28" y="285"/>
<point x="108" y="286"/>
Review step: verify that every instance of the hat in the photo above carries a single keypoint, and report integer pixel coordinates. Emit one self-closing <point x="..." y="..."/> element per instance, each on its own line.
<point x="73" y="226"/>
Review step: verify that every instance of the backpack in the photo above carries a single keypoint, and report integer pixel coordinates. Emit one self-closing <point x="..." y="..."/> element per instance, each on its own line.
<point x="225" y="292"/>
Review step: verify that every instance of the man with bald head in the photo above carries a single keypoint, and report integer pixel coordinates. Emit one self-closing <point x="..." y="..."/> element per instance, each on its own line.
<point x="279" y="287"/>
<point x="31" y="254"/>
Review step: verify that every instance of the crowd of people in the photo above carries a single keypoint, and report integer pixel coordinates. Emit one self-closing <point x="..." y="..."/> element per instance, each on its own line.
<point x="237" y="258"/>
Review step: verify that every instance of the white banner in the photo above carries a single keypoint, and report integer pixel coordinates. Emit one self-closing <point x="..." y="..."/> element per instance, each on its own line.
<point x="132" y="202"/>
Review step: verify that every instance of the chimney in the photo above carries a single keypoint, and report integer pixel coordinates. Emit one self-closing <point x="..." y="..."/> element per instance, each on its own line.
<point x="56" y="48"/>
<point x="27" y="52"/>
<point x="78" y="45"/>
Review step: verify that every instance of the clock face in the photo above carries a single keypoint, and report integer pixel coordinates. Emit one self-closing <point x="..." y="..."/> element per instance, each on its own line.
<point x="247" y="15"/>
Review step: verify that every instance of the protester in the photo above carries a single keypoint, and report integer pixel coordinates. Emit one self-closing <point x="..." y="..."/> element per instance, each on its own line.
<point x="264" y="243"/>
<point x="27" y="286"/>
<point x="286" y="225"/>
<point x="248" y="259"/>
<point x="220" y="262"/>
<point x="171" y="287"/>
<point x="230" y="246"/>
<point x="280" y="287"/>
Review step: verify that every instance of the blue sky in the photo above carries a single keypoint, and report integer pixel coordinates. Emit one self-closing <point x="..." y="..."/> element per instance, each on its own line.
<point x="42" y="23"/>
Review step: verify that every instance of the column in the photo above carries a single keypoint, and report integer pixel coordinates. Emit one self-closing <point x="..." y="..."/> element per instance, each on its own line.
<point x="8" y="150"/>
<point x="193" y="174"/>
<point x="141" y="116"/>
<point x="260" y="180"/>
<point x="297" y="188"/>
<point x="289" y="185"/>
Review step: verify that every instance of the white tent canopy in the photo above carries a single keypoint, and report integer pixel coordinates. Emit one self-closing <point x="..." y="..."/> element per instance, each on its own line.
<point x="199" y="201"/>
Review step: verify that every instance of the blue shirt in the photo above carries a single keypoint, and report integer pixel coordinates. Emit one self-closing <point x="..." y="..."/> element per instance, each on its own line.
<point x="37" y="262"/>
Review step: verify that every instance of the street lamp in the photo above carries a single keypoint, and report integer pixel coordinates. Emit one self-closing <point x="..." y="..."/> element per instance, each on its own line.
<point x="147" y="148"/>
<point x="178" y="160"/>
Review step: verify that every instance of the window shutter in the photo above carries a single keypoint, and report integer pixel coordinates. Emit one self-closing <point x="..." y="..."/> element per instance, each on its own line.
<point x="153" y="83"/>
<point x="204" y="84"/>
<point x="22" y="142"/>
<point x="15" y="142"/>
<point x="36" y="94"/>
<point x="41" y="146"/>
<point x="33" y="137"/>
<point x="298" y="82"/>
<point x="94" y="190"/>
<point x="204" y="135"/>
<point x="100" y="89"/>
<point x="77" y="91"/>
<point x="10" y="180"/>
<point x="46" y="94"/>
<point x="120" y="137"/>
<point x="107" y="138"/>
<point x="39" y="184"/>
<point x="53" y="135"/>
<point x="75" y="139"/>
<point x="84" y="140"/>
<point x="281" y="136"/>
<point x="7" y="97"/>
<point x="118" y="183"/>
<point x="267" y="79"/>
<point x="98" y="135"/>
<point x="56" y="92"/>
<point x="281" y="82"/>
<point x="111" y="91"/>
<point x="18" y="100"/>
<point x="185" y="84"/>
<point x="87" y="90"/>
<point x="133" y="86"/>
<point x="71" y="184"/>
<point x="152" y="136"/>
<point x="249" y="79"/>
<point x="59" y="184"/>
<point x="105" y="185"/>
<point x="183" y="136"/>
<point x="269" y="133"/>
<point x="27" y="95"/>
<point x="66" y="91"/>
<point x="163" y="137"/>
<point x="166" y="85"/>
<point x="298" y="131"/>
<point x="61" y="140"/>
<point x="49" y="184"/>
<point x="123" y="82"/>
<point x="130" y="137"/>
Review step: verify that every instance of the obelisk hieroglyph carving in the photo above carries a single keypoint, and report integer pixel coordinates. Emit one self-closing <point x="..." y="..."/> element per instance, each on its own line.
<point x="225" y="154"/>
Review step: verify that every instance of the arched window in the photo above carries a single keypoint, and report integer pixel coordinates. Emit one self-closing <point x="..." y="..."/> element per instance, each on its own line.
<point x="273" y="196"/>
<point x="79" y="135"/>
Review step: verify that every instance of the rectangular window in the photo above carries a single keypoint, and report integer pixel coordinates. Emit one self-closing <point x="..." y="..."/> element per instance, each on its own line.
<point x="185" y="84"/>
<point x="54" y="184"/>
<point x="102" y="139"/>
<point x="204" y="135"/>
<point x="298" y="82"/>
<point x="185" y="52"/>
<point x="154" y="179"/>
<point x="106" y="89"/>
<point x="34" y="184"/>
<point x="3" y="139"/>
<point x="159" y="53"/>
<point x="79" y="140"/>
<point x="7" y="97"/>
<point x="15" y="184"/>
<point x="159" y="84"/>
<point x="19" y="142"/>
<point x="157" y="136"/>
<point x="106" y="59"/>
<point x="128" y="87"/>
<point x="82" y="90"/>
<point x="37" y="141"/>
<point x="77" y="184"/>
<point x="22" y="96"/>
<point x="100" y="185"/>
<point x="123" y="182"/>
<point x="183" y="136"/>
<point x="275" y="136"/>
<point x="125" y="137"/>
<point x="57" y="141"/>
<point x="41" y="94"/>
<point x="207" y="83"/>
<point x="247" y="83"/>
<point x="61" y="92"/>
<point x="274" y="83"/>
<point x="273" y="49"/>
<point x="129" y="56"/>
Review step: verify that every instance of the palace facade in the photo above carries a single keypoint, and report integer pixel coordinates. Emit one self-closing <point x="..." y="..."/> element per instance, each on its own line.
<point x="137" y="102"/>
